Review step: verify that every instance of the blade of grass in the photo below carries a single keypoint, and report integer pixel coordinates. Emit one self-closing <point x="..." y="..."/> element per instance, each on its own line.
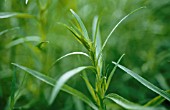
<point x="63" y="79"/>
<point x="85" y="33"/>
<point x="112" y="72"/>
<point x="14" y="14"/>
<point x="145" y="82"/>
<point x="69" y="54"/>
<point x="125" y="103"/>
<point x="104" y="44"/>
<point x="52" y="82"/>
<point x="22" y="40"/>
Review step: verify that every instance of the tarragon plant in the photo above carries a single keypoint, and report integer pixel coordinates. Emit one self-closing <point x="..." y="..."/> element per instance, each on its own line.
<point x="98" y="90"/>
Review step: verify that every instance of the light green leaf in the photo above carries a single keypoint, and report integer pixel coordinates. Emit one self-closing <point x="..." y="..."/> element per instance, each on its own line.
<point x="26" y="2"/>
<point x="22" y="40"/>
<point x="73" y="31"/>
<point x="78" y="36"/>
<point x="69" y="54"/>
<point x="104" y="44"/>
<point x="89" y="86"/>
<point x="52" y="82"/>
<point x="125" y="103"/>
<point x="85" y="33"/>
<point x="15" y="14"/>
<point x="7" y="30"/>
<point x="37" y="74"/>
<point x="79" y="95"/>
<point x="96" y="35"/>
<point x="145" y="82"/>
<point x="7" y="14"/>
<point x="112" y="72"/>
<point x="63" y="79"/>
<point x="156" y="101"/>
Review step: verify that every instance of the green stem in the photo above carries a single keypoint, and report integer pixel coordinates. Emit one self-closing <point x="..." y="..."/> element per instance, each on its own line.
<point x="100" y="80"/>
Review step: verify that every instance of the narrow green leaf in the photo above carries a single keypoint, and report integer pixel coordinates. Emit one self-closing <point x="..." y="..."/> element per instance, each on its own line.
<point x="7" y="14"/>
<point x="145" y="82"/>
<point x="69" y="54"/>
<point x="26" y="2"/>
<point x="63" y="79"/>
<point x="72" y="30"/>
<point x="126" y="104"/>
<point x="37" y="74"/>
<point x="78" y="37"/>
<point x="79" y="95"/>
<point x="7" y="30"/>
<point x="15" y="14"/>
<point x="112" y="72"/>
<point x="104" y="44"/>
<point x="22" y="40"/>
<point x="13" y="89"/>
<point x="52" y="82"/>
<point x="96" y="35"/>
<point x="85" y="33"/>
<point x="89" y="86"/>
<point x="156" y="101"/>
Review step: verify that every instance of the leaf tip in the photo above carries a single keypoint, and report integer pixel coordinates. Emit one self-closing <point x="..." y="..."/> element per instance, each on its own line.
<point x="122" y="56"/>
<point x="50" y="102"/>
<point x="13" y="64"/>
<point x="71" y="10"/>
<point x="114" y="63"/>
<point x="26" y="2"/>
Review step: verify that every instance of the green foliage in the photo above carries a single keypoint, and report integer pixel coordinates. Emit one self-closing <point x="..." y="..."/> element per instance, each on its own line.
<point x="145" y="82"/>
<point x="60" y="83"/>
<point x="30" y="36"/>
<point x="125" y="103"/>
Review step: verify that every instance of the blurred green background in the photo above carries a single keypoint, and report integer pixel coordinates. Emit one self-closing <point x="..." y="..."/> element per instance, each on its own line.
<point x="144" y="37"/>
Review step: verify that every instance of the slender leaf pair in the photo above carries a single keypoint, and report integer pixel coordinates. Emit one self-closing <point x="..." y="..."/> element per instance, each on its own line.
<point x="61" y="85"/>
